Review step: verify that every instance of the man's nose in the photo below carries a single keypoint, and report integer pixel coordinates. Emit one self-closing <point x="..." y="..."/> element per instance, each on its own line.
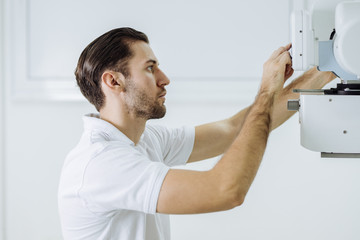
<point x="162" y="79"/>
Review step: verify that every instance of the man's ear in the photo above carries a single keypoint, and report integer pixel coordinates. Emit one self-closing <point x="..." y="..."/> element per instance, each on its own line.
<point x="114" y="81"/>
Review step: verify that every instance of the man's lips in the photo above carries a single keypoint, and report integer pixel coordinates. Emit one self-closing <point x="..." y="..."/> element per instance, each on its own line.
<point x="162" y="94"/>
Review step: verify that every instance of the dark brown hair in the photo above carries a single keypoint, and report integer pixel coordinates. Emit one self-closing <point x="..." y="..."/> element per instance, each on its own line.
<point x="110" y="51"/>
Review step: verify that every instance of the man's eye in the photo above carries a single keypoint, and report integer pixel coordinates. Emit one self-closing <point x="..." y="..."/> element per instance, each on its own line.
<point x="150" y="68"/>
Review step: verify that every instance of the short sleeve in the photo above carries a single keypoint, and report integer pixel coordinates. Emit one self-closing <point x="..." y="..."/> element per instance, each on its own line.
<point x="122" y="178"/>
<point x="176" y="144"/>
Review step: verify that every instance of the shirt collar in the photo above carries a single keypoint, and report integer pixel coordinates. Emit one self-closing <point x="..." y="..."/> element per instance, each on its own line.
<point x="92" y="122"/>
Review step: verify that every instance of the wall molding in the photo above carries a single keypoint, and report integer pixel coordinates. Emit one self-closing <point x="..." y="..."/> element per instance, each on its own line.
<point x="25" y="86"/>
<point x="22" y="85"/>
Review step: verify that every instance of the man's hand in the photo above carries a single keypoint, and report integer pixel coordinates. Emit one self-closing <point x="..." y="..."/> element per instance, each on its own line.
<point x="277" y="69"/>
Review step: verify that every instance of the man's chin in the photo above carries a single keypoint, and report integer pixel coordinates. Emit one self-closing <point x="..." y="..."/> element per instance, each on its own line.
<point x="159" y="113"/>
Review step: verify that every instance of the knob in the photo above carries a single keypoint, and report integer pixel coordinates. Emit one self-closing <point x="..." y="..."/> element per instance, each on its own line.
<point x="293" y="104"/>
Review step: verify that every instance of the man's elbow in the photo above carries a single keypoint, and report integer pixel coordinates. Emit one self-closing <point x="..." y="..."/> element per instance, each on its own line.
<point x="233" y="198"/>
<point x="237" y="200"/>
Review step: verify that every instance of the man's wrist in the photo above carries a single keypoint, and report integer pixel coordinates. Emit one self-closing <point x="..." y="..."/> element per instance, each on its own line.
<point x="266" y="93"/>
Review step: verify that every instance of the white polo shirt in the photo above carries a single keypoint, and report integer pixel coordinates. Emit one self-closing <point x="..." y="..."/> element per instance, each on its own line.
<point x="109" y="187"/>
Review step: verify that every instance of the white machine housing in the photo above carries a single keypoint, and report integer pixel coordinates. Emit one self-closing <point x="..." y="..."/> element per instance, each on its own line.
<point x="347" y="44"/>
<point x="330" y="124"/>
<point x="302" y="36"/>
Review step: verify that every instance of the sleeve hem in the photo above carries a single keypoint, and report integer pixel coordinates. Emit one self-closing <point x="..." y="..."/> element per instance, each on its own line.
<point x="153" y="197"/>
<point x="190" y="132"/>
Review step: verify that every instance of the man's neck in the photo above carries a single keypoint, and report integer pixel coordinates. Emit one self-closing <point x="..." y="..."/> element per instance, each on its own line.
<point x="128" y="124"/>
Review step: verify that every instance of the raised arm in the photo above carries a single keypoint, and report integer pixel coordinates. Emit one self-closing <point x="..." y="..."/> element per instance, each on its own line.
<point x="213" y="139"/>
<point x="225" y="186"/>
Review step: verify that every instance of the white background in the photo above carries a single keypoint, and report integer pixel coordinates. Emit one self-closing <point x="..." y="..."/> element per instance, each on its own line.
<point x="213" y="52"/>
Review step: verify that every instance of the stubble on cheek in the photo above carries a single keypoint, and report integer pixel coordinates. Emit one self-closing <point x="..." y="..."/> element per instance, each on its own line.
<point x="142" y="105"/>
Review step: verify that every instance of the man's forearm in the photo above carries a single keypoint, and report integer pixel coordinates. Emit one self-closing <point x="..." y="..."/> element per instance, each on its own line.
<point x="312" y="79"/>
<point x="241" y="161"/>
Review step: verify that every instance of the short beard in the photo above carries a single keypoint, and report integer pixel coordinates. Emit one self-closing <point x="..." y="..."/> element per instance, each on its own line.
<point x="141" y="105"/>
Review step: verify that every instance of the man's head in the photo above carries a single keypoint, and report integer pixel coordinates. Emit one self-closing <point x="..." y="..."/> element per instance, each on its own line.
<point x="144" y="89"/>
<point x="111" y="51"/>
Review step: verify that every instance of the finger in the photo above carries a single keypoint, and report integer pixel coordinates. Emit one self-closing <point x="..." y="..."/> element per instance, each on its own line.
<point x="288" y="74"/>
<point x="288" y="69"/>
<point x="291" y="72"/>
<point x="280" y="50"/>
<point x="285" y="58"/>
<point x="277" y="52"/>
<point x="287" y="47"/>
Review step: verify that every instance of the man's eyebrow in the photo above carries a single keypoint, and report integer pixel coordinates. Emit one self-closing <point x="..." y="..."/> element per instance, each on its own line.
<point x="152" y="61"/>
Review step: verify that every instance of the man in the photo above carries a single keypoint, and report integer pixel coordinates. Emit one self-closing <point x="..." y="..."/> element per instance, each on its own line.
<point x="117" y="180"/>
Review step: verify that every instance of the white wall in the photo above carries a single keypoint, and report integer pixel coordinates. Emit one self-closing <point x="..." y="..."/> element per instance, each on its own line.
<point x="2" y="92"/>
<point x="296" y="195"/>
